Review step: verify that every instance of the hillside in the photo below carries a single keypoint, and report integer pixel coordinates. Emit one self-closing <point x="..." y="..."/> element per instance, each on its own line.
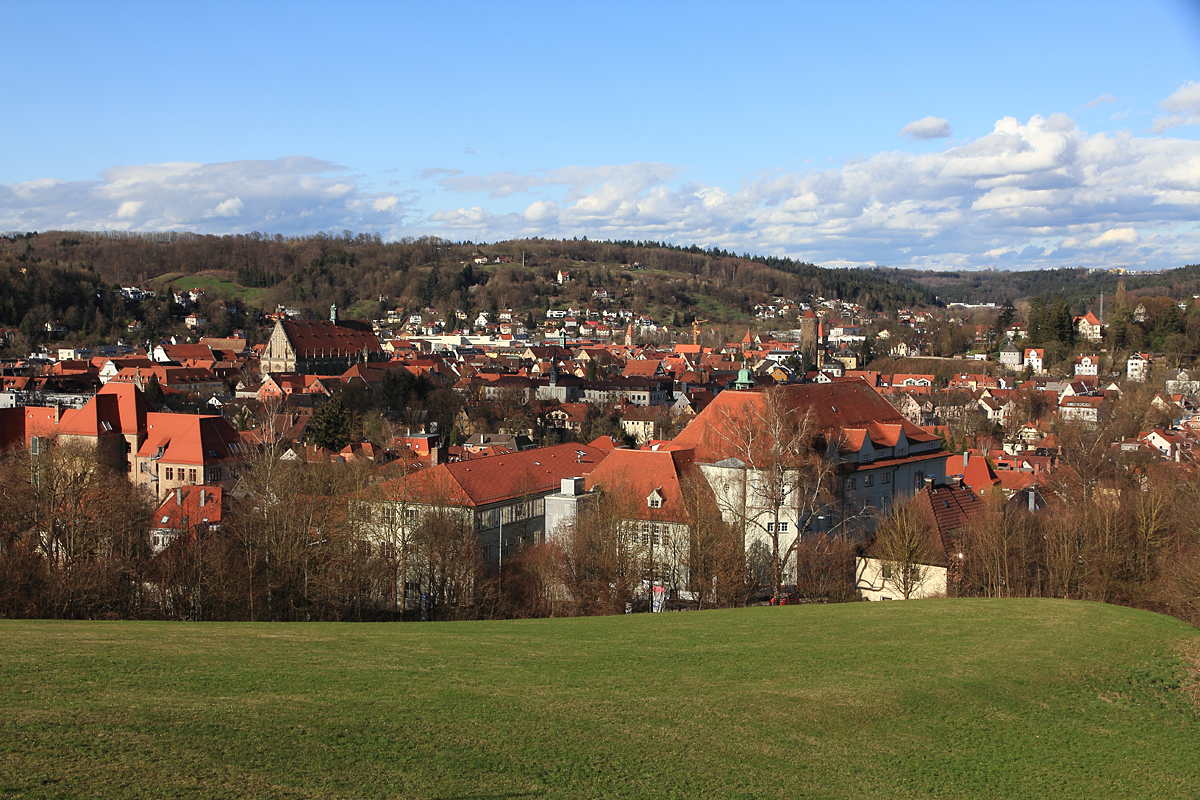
<point x="61" y="277"/>
<point x="964" y="698"/>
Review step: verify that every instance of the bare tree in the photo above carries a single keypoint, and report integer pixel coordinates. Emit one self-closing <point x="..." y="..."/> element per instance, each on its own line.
<point x="601" y="558"/>
<point x="716" y="574"/>
<point x="785" y="478"/>
<point x="902" y="547"/>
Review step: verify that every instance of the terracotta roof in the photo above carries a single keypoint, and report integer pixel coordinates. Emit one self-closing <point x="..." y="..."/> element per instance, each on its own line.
<point x="851" y="408"/>
<point x="191" y="439"/>
<point x="480" y="482"/>
<point x="322" y="338"/>
<point x="236" y="345"/>
<point x="977" y="474"/>
<point x="637" y="473"/>
<point x="950" y="508"/>
<point x="183" y="509"/>
<point x="642" y="369"/>
<point x="117" y="408"/>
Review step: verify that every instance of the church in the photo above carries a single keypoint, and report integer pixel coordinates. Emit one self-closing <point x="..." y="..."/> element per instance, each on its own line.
<point x="325" y="347"/>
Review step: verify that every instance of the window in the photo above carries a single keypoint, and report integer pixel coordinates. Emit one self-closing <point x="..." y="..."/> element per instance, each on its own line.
<point x="653" y="502"/>
<point x="851" y="483"/>
<point x="918" y="481"/>
<point x="869" y="480"/>
<point x="170" y="474"/>
<point x="191" y="476"/>
<point x="887" y="478"/>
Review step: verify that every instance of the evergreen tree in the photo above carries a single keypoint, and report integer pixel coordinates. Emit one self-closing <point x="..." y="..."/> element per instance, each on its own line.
<point x="331" y="425"/>
<point x="154" y="392"/>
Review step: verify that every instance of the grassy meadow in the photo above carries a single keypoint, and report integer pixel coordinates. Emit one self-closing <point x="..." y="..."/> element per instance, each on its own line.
<point x="955" y="698"/>
<point x="210" y="284"/>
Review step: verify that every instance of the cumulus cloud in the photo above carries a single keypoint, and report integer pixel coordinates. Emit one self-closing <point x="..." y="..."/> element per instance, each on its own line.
<point x="1028" y="194"/>
<point x="1182" y="107"/>
<point x="1036" y="193"/>
<point x="927" y="128"/>
<point x="287" y="195"/>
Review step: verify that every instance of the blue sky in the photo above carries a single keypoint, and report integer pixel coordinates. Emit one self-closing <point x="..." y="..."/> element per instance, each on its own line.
<point x="936" y="135"/>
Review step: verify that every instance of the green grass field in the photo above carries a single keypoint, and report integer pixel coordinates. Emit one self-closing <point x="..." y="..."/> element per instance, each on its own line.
<point x="210" y="284"/>
<point x="970" y="698"/>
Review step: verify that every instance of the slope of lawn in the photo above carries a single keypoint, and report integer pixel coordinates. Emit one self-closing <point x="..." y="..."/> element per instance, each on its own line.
<point x="962" y="698"/>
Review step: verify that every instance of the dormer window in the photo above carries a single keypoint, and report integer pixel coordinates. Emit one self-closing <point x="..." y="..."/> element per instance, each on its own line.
<point x="654" y="500"/>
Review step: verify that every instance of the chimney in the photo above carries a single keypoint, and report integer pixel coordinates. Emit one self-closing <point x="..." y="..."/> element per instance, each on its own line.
<point x="966" y="457"/>
<point x="203" y="495"/>
<point x="178" y="496"/>
<point x="572" y="487"/>
<point x="1032" y="500"/>
<point x="333" y="313"/>
<point x="928" y="481"/>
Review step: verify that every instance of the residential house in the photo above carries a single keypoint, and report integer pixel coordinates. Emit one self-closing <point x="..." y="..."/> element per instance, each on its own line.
<point x="1088" y="327"/>
<point x="501" y="498"/>
<point x="184" y="513"/>
<point x="1137" y="368"/>
<point x="1012" y="356"/>
<point x="188" y="450"/>
<point x="873" y="454"/>
<point x="645" y="423"/>
<point x="1035" y="359"/>
<point x="1087" y="366"/>
<point x="946" y="510"/>
<point x="1086" y="409"/>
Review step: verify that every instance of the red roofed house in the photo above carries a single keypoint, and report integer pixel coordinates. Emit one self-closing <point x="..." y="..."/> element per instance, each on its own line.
<point x="974" y="470"/>
<point x="651" y="485"/>
<point x="1089" y="327"/>
<point x="187" y="450"/>
<point x="874" y="457"/>
<point x="184" y="513"/>
<point x="328" y="347"/>
<point x="114" y="421"/>
<point x="501" y="498"/>
<point x="1035" y="359"/>
<point x="945" y="510"/>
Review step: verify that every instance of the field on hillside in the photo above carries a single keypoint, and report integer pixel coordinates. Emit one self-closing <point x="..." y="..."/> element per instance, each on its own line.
<point x="210" y="284"/>
<point x="962" y="698"/>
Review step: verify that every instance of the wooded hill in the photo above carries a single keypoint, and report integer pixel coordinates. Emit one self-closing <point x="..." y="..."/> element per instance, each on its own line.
<point x="55" y="274"/>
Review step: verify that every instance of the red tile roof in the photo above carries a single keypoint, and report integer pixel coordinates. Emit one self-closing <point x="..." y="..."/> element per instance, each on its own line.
<point x="849" y="408"/>
<point x="192" y="439"/>
<point x="634" y="474"/>
<point x="483" y="481"/>
<point x="117" y="408"/>
<point x="327" y="338"/>
<point x="183" y="509"/>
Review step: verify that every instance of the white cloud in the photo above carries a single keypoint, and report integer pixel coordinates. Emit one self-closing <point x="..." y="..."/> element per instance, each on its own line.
<point x="229" y="208"/>
<point x="287" y="195"/>
<point x="1038" y="193"/>
<point x="1114" y="237"/>
<point x="1182" y="107"/>
<point x="927" y="128"/>
<point x="1101" y="100"/>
